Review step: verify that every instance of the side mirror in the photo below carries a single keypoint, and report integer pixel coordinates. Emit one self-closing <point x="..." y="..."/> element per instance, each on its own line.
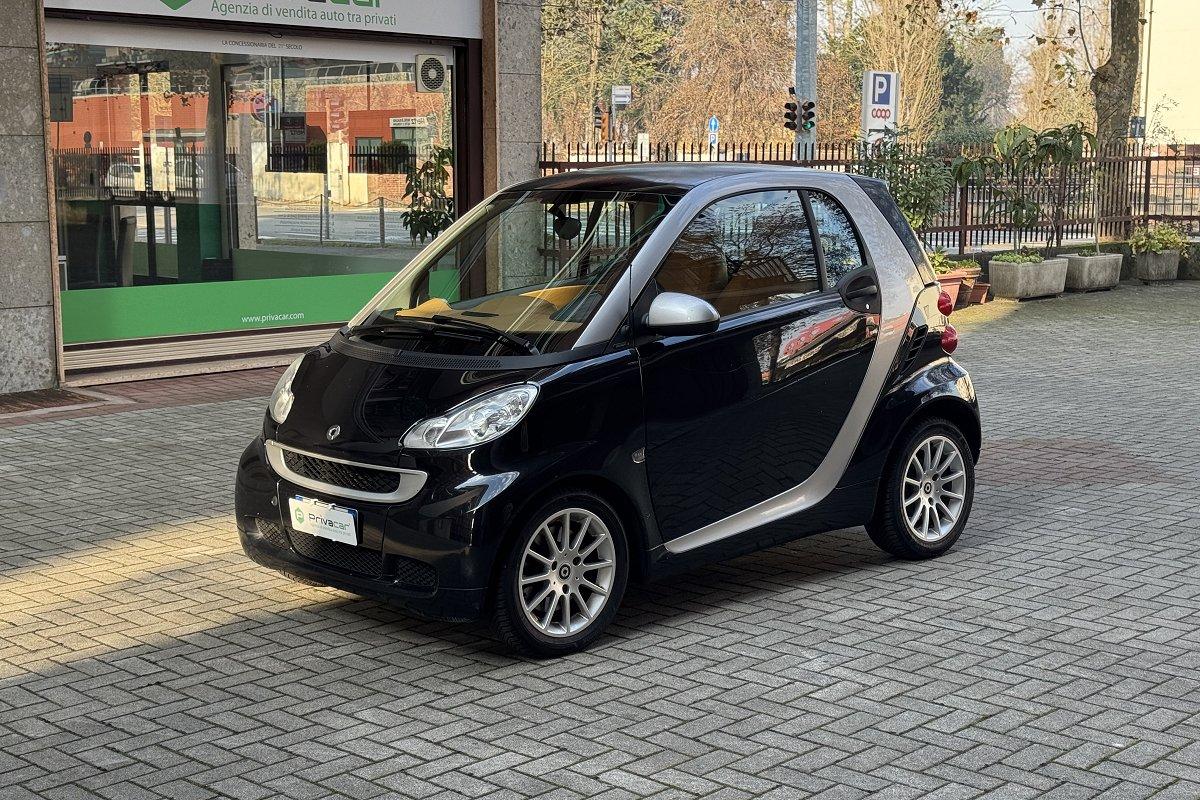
<point x="675" y="314"/>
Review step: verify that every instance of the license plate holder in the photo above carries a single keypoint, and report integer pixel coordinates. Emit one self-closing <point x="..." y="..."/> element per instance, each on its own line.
<point x="329" y="521"/>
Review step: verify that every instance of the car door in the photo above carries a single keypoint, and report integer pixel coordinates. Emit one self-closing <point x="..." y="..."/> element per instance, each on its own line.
<point x="740" y="415"/>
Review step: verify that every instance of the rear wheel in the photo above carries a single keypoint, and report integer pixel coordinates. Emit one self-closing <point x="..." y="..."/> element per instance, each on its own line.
<point x="927" y="492"/>
<point x="564" y="578"/>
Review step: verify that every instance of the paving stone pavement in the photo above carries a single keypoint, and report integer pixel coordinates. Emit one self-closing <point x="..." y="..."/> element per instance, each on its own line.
<point x="1052" y="654"/>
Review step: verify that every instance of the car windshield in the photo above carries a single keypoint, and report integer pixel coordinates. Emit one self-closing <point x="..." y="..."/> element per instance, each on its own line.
<point x="524" y="276"/>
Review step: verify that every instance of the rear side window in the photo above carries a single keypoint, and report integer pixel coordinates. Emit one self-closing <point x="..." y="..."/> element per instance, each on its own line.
<point x="839" y="243"/>
<point x="877" y="191"/>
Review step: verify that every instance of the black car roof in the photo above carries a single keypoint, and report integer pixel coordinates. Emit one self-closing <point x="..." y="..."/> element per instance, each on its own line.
<point x="667" y="176"/>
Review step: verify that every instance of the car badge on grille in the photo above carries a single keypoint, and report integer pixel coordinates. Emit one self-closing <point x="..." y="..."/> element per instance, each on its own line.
<point x="333" y="432"/>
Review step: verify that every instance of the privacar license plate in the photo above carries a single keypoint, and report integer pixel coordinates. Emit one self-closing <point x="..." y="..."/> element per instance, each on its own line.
<point x="324" y="519"/>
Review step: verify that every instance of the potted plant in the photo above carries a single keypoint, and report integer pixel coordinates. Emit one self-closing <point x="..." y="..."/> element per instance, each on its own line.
<point x="956" y="277"/>
<point x="1023" y="274"/>
<point x="1157" y="249"/>
<point x="979" y="293"/>
<point x="431" y="210"/>
<point x="1091" y="270"/>
<point x="970" y="271"/>
<point x="947" y="275"/>
<point x="1020" y="162"/>
<point x="1062" y="148"/>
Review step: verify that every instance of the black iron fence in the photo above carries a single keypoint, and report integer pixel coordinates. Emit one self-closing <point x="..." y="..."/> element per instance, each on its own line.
<point x="1115" y="189"/>
<point x="122" y="173"/>
<point x="182" y="172"/>
<point x="390" y="158"/>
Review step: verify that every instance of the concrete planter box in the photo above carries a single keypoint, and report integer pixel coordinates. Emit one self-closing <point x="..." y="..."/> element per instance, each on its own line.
<point x="1089" y="273"/>
<point x="1162" y="266"/>
<point x="1028" y="279"/>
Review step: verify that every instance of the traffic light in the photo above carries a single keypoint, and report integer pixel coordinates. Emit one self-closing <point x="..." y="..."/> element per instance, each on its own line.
<point x="808" y="115"/>
<point x="597" y="116"/>
<point x="789" y="110"/>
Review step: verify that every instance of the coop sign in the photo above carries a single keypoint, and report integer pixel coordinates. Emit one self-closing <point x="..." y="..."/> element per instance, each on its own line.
<point x="880" y="97"/>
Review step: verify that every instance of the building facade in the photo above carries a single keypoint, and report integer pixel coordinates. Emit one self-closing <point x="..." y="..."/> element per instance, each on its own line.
<point x="194" y="185"/>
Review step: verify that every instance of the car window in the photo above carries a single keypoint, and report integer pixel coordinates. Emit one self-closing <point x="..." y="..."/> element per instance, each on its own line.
<point x="745" y="252"/>
<point x="839" y="243"/>
<point x="536" y="264"/>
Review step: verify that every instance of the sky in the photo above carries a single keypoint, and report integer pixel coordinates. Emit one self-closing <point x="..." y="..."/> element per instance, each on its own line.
<point x="1015" y="16"/>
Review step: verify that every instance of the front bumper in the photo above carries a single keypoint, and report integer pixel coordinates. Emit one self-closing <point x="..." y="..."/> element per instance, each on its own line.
<point x="438" y="602"/>
<point x="432" y="555"/>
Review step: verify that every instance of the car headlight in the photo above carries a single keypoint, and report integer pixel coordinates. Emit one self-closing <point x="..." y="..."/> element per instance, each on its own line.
<point x="282" y="397"/>
<point x="476" y="421"/>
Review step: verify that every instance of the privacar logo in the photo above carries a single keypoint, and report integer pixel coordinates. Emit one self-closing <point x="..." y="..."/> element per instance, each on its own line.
<point x="175" y="5"/>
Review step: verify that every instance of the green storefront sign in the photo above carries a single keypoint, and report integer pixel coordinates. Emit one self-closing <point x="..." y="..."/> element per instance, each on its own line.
<point x="134" y="312"/>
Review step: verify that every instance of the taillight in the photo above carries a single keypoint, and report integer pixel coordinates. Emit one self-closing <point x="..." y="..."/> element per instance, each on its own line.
<point x="945" y="304"/>
<point x="949" y="339"/>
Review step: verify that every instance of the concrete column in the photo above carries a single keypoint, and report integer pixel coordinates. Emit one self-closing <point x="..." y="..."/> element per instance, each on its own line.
<point x="28" y="271"/>
<point x="512" y="91"/>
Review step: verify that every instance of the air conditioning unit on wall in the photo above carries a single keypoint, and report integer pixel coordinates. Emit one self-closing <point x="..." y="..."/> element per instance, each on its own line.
<point x="433" y="74"/>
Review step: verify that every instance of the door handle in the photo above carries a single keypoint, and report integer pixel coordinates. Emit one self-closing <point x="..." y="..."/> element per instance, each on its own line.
<point x="861" y="293"/>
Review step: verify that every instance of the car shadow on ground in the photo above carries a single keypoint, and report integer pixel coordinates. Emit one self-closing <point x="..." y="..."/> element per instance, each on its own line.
<point x="313" y="632"/>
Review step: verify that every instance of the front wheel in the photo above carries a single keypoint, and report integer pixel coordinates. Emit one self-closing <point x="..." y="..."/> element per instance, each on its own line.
<point x="927" y="492"/>
<point x="564" y="577"/>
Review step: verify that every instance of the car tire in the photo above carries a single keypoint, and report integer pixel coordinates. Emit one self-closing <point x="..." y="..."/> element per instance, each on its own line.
<point x="928" y="487"/>
<point x="568" y="606"/>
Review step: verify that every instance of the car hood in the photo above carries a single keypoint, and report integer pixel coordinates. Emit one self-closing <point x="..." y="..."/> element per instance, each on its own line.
<point x="359" y="409"/>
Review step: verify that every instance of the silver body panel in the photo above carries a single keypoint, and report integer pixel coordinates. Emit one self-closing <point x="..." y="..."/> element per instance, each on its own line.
<point x="673" y="310"/>
<point x="411" y="480"/>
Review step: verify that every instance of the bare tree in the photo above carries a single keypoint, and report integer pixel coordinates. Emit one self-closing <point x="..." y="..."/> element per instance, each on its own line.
<point x="908" y="37"/>
<point x="732" y="58"/>
<point x="1056" y="88"/>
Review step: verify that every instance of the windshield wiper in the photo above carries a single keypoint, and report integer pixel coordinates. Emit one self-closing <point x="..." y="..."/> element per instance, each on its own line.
<point x="504" y="336"/>
<point x="394" y="326"/>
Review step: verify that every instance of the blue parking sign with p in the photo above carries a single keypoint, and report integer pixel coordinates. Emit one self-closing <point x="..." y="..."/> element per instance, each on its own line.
<point x="881" y="88"/>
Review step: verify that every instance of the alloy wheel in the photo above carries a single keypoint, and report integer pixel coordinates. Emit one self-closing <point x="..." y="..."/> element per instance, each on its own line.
<point x="567" y="572"/>
<point x="935" y="485"/>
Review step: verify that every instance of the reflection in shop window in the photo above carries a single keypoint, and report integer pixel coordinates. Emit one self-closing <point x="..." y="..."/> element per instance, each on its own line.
<point x="175" y="167"/>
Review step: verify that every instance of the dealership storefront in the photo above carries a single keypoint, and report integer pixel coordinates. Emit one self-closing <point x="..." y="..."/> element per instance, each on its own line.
<point x="232" y="179"/>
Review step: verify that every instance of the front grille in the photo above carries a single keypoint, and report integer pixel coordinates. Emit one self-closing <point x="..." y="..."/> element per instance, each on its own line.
<point x="346" y="557"/>
<point x="408" y="573"/>
<point x="347" y="476"/>
<point x="414" y="574"/>
<point x="272" y="532"/>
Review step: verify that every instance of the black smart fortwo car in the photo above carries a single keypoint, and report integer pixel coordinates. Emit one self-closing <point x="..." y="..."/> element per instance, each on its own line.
<point x="607" y="375"/>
